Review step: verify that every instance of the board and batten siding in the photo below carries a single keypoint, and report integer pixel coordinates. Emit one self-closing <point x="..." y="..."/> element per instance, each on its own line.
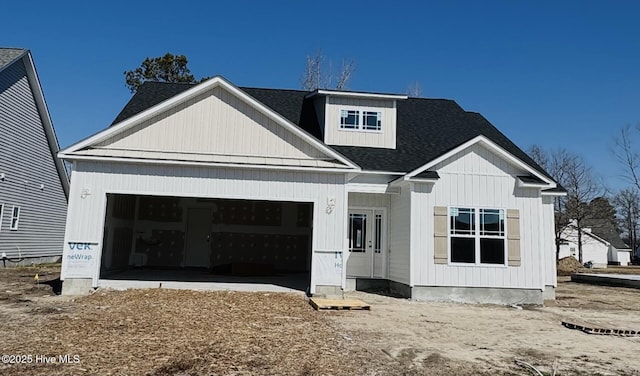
<point x="476" y="177"/>
<point x="399" y="236"/>
<point x="385" y="138"/>
<point x="31" y="180"/>
<point x="368" y="200"/>
<point x="96" y="179"/>
<point x="214" y="122"/>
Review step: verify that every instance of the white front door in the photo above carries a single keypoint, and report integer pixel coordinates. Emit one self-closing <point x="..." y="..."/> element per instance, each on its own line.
<point x="366" y="237"/>
<point x="197" y="252"/>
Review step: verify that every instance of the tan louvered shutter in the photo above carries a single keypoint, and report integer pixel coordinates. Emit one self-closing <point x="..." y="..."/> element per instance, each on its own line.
<point x="513" y="236"/>
<point x="440" y="234"/>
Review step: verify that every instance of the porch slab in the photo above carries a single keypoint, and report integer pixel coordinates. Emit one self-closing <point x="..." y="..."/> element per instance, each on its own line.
<point x="124" y="284"/>
<point x="200" y="280"/>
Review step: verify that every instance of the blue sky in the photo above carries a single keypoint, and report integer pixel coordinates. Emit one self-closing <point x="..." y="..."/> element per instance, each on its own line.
<point x="553" y="73"/>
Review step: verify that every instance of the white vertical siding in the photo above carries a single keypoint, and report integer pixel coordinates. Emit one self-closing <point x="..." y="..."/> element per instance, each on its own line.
<point x="86" y="215"/>
<point x="399" y="236"/>
<point x="386" y="138"/>
<point x="368" y="200"/>
<point x="476" y="177"/>
<point x="215" y="122"/>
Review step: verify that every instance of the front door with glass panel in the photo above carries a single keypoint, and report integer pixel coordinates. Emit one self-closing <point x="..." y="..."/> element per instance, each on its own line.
<point x="366" y="256"/>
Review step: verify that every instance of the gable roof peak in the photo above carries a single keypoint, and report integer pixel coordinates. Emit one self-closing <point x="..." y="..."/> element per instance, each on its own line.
<point x="9" y="54"/>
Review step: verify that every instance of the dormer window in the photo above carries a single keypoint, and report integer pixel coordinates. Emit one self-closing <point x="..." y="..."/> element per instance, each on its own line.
<point x="372" y="120"/>
<point x="352" y="119"/>
<point x="349" y="119"/>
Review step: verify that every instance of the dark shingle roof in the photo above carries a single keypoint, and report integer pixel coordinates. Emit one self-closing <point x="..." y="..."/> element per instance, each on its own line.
<point x="604" y="229"/>
<point x="426" y="128"/>
<point x="148" y="95"/>
<point x="7" y="55"/>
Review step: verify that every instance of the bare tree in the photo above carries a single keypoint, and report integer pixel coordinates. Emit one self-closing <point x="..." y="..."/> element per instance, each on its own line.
<point x="628" y="157"/>
<point x="627" y="203"/>
<point x="582" y="188"/>
<point x="318" y="73"/>
<point x="414" y="89"/>
<point x="556" y="163"/>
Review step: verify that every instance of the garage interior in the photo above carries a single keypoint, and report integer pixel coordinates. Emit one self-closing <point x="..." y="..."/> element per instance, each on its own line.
<point x="178" y="239"/>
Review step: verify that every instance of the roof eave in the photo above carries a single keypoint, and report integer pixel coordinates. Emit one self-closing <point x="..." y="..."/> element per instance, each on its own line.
<point x="355" y="94"/>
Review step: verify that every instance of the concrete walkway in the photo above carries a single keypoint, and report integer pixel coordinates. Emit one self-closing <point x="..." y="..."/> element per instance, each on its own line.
<point x="622" y="280"/>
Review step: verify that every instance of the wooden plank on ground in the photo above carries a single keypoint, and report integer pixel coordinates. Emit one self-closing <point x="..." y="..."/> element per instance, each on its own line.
<point x="338" y="304"/>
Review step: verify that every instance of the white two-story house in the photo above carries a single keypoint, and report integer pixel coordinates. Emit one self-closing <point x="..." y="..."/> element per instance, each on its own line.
<point x="333" y="190"/>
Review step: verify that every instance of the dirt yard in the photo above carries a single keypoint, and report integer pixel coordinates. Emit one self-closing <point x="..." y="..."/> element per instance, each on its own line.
<point x="169" y="332"/>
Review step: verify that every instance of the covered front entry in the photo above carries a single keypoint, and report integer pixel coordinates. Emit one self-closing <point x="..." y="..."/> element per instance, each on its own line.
<point x="366" y="236"/>
<point x="194" y="239"/>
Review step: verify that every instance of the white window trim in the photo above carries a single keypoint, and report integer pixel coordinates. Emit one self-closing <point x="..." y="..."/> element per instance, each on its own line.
<point x="355" y="126"/>
<point x="13" y="227"/>
<point x="360" y="126"/>
<point x="477" y="237"/>
<point x="1" y="212"/>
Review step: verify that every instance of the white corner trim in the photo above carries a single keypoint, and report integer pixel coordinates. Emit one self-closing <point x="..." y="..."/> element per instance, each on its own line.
<point x="422" y="180"/>
<point x="556" y="194"/>
<point x="493" y="147"/>
<point x="194" y="91"/>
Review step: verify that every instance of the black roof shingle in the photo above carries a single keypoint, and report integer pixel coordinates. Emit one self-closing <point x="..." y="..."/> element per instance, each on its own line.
<point x="426" y="128"/>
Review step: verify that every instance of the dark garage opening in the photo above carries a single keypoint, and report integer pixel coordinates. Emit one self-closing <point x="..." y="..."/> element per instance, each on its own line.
<point x="159" y="238"/>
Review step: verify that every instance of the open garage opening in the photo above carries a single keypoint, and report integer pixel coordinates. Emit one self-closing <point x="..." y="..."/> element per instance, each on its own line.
<point x="252" y="244"/>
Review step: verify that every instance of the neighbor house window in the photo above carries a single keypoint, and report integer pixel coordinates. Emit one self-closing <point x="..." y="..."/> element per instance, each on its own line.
<point x="477" y="236"/>
<point x="15" y="218"/>
<point x="361" y="120"/>
<point x="349" y="119"/>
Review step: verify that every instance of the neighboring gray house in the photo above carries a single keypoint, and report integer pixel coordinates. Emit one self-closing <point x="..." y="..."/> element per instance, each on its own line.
<point x="34" y="185"/>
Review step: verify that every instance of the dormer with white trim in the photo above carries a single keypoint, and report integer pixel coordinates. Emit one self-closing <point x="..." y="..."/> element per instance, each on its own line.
<point x="357" y="119"/>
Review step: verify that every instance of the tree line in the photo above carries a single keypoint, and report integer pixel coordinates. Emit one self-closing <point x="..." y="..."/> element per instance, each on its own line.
<point x="319" y="73"/>
<point x="588" y="197"/>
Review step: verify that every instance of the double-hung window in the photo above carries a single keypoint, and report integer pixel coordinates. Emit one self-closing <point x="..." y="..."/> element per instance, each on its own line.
<point x="15" y="218"/>
<point x="361" y="120"/>
<point x="477" y="236"/>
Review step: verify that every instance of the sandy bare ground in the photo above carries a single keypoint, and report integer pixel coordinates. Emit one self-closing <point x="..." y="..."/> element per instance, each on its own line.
<point x="446" y="338"/>
<point x="170" y="332"/>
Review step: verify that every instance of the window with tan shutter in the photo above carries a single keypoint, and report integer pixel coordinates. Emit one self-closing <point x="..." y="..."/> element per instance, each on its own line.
<point x="477" y="236"/>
